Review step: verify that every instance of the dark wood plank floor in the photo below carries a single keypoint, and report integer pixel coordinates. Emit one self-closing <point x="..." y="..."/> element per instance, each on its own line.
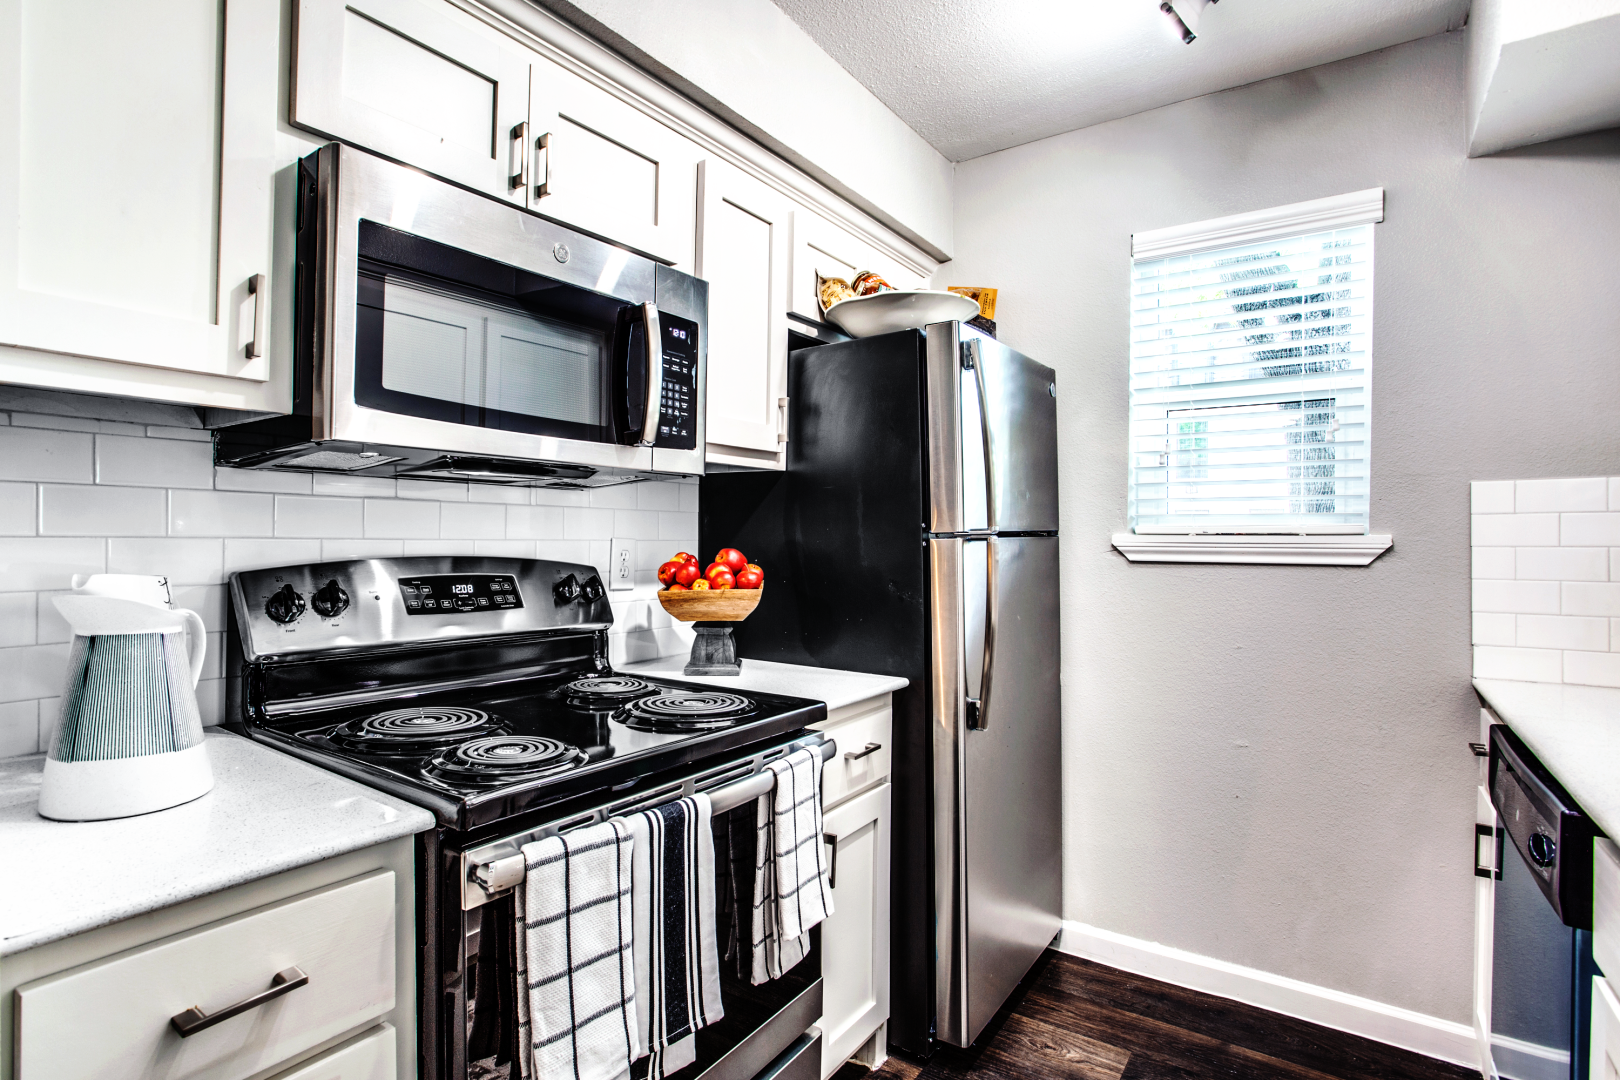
<point x="1076" y="1020"/>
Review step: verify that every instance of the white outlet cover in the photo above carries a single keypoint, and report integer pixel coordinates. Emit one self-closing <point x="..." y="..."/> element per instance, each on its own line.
<point x="622" y="565"/>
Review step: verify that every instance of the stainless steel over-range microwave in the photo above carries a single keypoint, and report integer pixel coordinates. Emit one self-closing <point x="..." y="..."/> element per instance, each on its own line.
<point x="444" y="334"/>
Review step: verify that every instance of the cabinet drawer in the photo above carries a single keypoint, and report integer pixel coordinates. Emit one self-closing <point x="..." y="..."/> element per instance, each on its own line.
<point x="370" y="1057"/>
<point x="1605" y="1061"/>
<point x="111" y="1020"/>
<point x="1606" y="906"/>
<point x="844" y="776"/>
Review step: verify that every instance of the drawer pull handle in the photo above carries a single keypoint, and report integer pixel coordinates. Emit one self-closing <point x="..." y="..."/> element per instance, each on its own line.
<point x="856" y="755"/>
<point x="195" y="1019"/>
<point x="832" y="870"/>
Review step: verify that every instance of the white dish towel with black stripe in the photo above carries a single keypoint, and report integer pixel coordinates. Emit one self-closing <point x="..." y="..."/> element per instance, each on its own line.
<point x="676" y="958"/>
<point x="576" y="974"/>
<point x="791" y="893"/>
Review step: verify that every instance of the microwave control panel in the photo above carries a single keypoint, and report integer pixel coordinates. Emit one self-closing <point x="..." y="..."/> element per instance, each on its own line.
<point x="677" y="426"/>
<point x="447" y="594"/>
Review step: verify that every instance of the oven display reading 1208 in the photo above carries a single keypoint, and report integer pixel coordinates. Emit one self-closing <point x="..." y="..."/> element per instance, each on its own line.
<point x="447" y="594"/>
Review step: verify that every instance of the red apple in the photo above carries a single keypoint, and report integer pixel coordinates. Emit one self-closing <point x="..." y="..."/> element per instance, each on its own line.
<point x="731" y="559"/>
<point x="687" y="572"/>
<point x="720" y="577"/>
<point x="666" y="573"/>
<point x="750" y="579"/>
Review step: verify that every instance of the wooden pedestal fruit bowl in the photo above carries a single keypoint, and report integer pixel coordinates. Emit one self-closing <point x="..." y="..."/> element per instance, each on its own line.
<point x="710" y="605"/>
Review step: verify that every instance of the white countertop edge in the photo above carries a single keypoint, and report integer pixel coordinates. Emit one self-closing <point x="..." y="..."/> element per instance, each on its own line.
<point x="833" y="686"/>
<point x="1574" y="731"/>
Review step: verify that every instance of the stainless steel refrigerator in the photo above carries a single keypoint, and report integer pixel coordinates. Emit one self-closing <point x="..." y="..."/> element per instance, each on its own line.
<point x="914" y="533"/>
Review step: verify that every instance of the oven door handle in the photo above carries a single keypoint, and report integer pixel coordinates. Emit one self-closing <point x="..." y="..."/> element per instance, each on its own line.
<point x="655" y="375"/>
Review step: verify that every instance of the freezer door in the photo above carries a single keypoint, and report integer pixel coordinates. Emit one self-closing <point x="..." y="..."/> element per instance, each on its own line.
<point x="998" y="781"/>
<point x="1009" y="437"/>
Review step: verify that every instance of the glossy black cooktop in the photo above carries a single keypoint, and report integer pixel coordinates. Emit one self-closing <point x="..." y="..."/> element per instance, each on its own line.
<point x="478" y="756"/>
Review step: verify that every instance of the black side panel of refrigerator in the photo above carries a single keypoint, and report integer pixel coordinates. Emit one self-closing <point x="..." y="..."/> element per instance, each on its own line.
<point x="840" y="538"/>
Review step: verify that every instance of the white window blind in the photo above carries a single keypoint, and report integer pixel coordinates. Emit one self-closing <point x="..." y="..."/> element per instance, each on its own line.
<point x="1251" y="364"/>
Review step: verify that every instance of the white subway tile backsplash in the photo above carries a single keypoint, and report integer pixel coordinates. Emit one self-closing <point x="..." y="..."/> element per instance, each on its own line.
<point x="162" y="507"/>
<point x="182" y="561"/>
<point x="37" y="562"/>
<point x="320" y="518"/>
<point x="1493" y="563"/>
<point x="33" y="454"/>
<point x="1538" y="496"/>
<point x="1591" y="598"/>
<point x="19" y="509"/>
<point x="1562" y="564"/>
<point x="1493" y="628"/>
<point x="1519" y="597"/>
<point x="1592" y="668"/>
<point x="18" y="624"/>
<point x="474" y="520"/>
<point x="402" y="519"/>
<point x="1590" y="529"/>
<point x="282" y="483"/>
<point x="1563" y="632"/>
<point x="1491" y="496"/>
<point x="1528" y="665"/>
<point x="1515" y="530"/>
<point x="75" y="510"/>
<point x="143" y="462"/>
<point x="1614" y="493"/>
<point x="221" y="513"/>
<point x="541" y="522"/>
<point x="50" y="710"/>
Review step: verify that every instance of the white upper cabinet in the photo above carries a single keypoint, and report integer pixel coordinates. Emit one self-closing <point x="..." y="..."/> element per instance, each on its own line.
<point x="744" y="252"/>
<point x="419" y="81"/>
<point x="820" y="247"/>
<point x="137" y="168"/>
<point x="602" y="166"/>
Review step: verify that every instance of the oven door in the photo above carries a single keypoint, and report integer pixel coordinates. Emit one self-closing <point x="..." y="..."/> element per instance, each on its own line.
<point x="444" y="320"/>
<point x="469" y="1011"/>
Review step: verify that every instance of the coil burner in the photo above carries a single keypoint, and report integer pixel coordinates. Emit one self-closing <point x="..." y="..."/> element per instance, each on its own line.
<point x="606" y="691"/>
<point x="495" y="760"/>
<point x="413" y="730"/>
<point x="686" y="710"/>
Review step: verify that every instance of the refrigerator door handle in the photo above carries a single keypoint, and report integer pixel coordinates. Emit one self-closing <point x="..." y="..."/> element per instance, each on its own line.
<point x="974" y="358"/>
<point x="978" y="709"/>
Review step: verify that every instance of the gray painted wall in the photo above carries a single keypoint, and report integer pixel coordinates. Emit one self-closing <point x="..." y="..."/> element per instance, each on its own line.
<point x="1269" y="765"/>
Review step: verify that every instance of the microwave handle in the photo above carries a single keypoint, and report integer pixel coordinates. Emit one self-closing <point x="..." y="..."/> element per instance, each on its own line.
<point x="655" y="374"/>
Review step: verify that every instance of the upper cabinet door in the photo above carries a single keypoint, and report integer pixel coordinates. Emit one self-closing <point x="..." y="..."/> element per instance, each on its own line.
<point x="607" y="168"/>
<point x="744" y="254"/>
<point x="419" y="81"/>
<point x="820" y="247"/>
<point x="137" y="146"/>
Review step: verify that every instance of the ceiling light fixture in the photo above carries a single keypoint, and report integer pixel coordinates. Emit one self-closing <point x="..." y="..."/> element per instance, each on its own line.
<point x="1182" y="17"/>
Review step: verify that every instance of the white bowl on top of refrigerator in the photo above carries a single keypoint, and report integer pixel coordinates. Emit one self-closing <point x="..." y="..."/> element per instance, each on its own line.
<point x="900" y="309"/>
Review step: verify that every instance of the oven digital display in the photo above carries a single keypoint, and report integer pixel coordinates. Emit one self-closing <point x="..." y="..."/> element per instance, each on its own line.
<point x="447" y="594"/>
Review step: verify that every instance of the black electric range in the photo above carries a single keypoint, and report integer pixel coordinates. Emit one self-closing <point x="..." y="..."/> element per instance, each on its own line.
<point x="480" y="689"/>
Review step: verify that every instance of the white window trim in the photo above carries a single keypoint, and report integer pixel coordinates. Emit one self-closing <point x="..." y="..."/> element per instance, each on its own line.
<point x="1312" y="549"/>
<point x="1317" y="215"/>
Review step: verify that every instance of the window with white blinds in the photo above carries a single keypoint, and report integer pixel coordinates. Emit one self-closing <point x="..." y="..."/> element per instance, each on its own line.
<point x="1251" y="363"/>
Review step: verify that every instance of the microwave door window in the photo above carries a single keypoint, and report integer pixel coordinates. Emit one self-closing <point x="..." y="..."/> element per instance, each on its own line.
<point x="541" y="368"/>
<point x="432" y="348"/>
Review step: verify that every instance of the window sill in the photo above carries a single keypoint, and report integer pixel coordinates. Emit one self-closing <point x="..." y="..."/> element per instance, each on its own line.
<point x="1325" y="550"/>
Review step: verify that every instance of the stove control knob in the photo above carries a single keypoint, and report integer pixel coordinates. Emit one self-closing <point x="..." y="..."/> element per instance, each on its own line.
<point x="329" y="600"/>
<point x="1543" y="849"/>
<point x="592" y="590"/>
<point x="566" y="591"/>
<point x="285" y="605"/>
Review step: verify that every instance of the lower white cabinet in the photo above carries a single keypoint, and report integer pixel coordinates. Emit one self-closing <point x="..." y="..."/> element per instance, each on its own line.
<point x="1606" y="951"/>
<point x="855" y="938"/>
<point x="370" y="1057"/>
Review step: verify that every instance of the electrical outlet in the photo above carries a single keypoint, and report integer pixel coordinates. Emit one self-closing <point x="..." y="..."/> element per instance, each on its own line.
<point x="622" y="574"/>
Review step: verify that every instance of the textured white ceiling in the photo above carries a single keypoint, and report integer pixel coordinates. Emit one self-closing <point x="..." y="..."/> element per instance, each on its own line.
<point x="976" y="76"/>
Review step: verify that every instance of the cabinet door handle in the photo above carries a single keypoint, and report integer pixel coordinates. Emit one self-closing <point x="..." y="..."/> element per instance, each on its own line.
<point x="256" y="289"/>
<point x="542" y="173"/>
<point x="1494" y="869"/>
<point x="856" y="755"/>
<point x="832" y="867"/>
<point x="519" y="176"/>
<point x="195" y="1019"/>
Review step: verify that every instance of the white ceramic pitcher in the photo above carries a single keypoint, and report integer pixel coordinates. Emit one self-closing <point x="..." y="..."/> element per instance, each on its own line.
<point x="130" y="739"/>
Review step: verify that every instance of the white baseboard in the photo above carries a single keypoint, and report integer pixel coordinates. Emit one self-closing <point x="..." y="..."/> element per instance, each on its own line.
<point x="1415" y="1031"/>
<point x="1520" y="1060"/>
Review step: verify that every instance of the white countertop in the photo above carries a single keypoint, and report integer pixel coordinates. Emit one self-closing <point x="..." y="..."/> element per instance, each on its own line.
<point x="836" y="688"/>
<point x="268" y="812"/>
<point x="1575" y="731"/>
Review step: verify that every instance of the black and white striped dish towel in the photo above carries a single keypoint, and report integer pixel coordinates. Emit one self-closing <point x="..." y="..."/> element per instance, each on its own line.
<point x="676" y="958"/>
<point x="576" y="974"/>
<point x="791" y="894"/>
